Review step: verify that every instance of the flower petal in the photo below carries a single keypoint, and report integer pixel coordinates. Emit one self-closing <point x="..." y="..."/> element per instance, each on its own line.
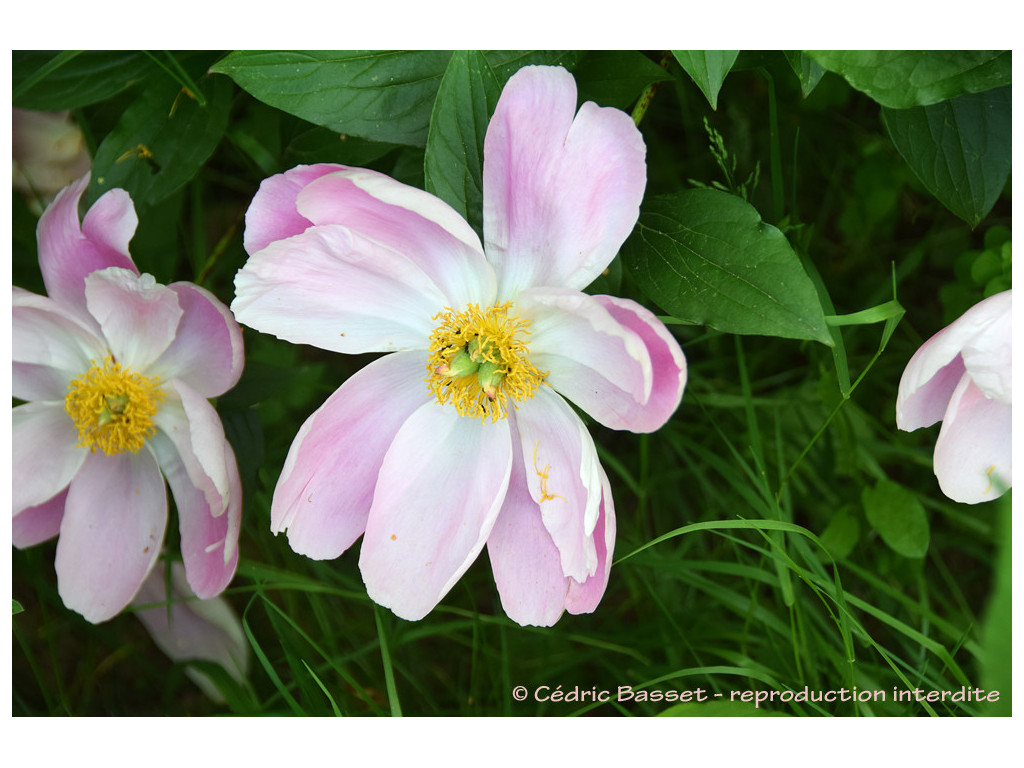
<point x="191" y="425"/>
<point x="209" y="537"/>
<point x="585" y="597"/>
<point x="525" y="561"/>
<point x="934" y="370"/>
<point x="988" y="355"/>
<point x="326" y="486"/>
<point x="40" y="523"/>
<point x="207" y="351"/>
<point x="560" y="194"/>
<point x="185" y="628"/>
<point x="563" y="476"/>
<point x="111" y="534"/>
<point x="667" y="362"/>
<point x="139" y="317"/>
<point x="272" y="215"/>
<point x="45" y="453"/>
<point x="67" y="254"/>
<point x="50" y="347"/>
<point x="591" y="358"/>
<point x="973" y="452"/>
<point x="334" y="289"/>
<point x="409" y="221"/>
<point x="439" y="491"/>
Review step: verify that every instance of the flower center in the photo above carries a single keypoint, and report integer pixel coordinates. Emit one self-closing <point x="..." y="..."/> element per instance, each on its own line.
<point x="113" y="408"/>
<point x="478" y="361"/>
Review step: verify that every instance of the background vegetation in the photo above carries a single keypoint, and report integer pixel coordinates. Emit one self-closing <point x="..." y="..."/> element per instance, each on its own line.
<point x="777" y="533"/>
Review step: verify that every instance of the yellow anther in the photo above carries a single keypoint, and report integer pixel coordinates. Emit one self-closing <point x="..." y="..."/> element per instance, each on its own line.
<point x="478" y="361"/>
<point x="113" y="408"/>
<point x="543" y="475"/>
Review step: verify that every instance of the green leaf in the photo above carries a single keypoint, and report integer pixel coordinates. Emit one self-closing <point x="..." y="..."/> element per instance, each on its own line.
<point x="904" y="79"/>
<point x="959" y="149"/>
<point x="706" y="257"/>
<point x="453" y="163"/>
<point x="161" y="141"/>
<point x="807" y="70"/>
<point x="898" y="516"/>
<point x="708" y="69"/>
<point x="616" y="78"/>
<point x="841" y="535"/>
<point x="507" y="63"/>
<point x="381" y="95"/>
<point x="17" y="608"/>
<point x="48" y="80"/>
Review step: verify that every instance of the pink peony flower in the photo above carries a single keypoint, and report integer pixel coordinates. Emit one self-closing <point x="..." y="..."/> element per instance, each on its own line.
<point x="962" y="375"/>
<point x="188" y="629"/>
<point x="461" y="436"/>
<point x="117" y="370"/>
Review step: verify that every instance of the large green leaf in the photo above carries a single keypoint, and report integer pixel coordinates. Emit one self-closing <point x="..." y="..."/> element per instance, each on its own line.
<point x="616" y="78"/>
<point x="898" y="516"/>
<point x="380" y="95"/>
<point x="161" y="140"/>
<point x="385" y="96"/>
<point x="708" y="69"/>
<point x="51" y="80"/>
<point x="904" y="79"/>
<point x="453" y="163"/>
<point x="706" y="257"/>
<point x="807" y="70"/>
<point x="960" y="149"/>
<point x="507" y="63"/>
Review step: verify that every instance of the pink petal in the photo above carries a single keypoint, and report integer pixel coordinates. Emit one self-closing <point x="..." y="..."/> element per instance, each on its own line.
<point x="973" y="452"/>
<point x="560" y="194"/>
<point x="563" y="477"/>
<point x="585" y="597"/>
<point x="45" y="453"/>
<point x="191" y="425"/>
<point x="139" y="317"/>
<point x="67" y="255"/>
<point x="934" y="370"/>
<point x="326" y="487"/>
<point x="191" y="629"/>
<point x="408" y="221"/>
<point x="667" y="362"/>
<point x="438" y="493"/>
<point x="209" y="537"/>
<point x="207" y="352"/>
<point x="526" y="564"/>
<point x="111" y="223"/>
<point x="333" y="289"/>
<point x="111" y="534"/>
<point x="272" y="215"/>
<point x="591" y="358"/>
<point x="40" y="523"/>
<point x="988" y="355"/>
<point x="50" y="347"/>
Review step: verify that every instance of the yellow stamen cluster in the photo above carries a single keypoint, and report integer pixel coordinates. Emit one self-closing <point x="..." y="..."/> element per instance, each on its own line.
<point x="478" y="361"/>
<point x="113" y="408"/>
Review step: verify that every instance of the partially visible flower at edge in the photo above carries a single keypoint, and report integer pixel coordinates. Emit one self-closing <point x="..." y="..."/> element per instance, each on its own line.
<point x="48" y="152"/>
<point x="189" y="629"/>
<point x="116" y="370"/>
<point x="461" y="436"/>
<point x="963" y="375"/>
